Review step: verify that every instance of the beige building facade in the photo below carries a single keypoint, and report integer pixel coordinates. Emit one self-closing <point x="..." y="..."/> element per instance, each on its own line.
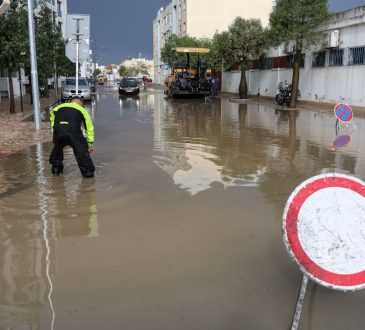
<point x="200" y="19"/>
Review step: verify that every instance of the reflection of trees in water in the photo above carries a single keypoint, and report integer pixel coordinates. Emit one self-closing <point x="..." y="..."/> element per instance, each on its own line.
<point x="244" y="141"/>
<point x="68" y="205"/>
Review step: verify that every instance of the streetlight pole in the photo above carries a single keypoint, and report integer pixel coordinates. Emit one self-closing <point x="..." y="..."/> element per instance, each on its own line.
<point x="34" y="67"/>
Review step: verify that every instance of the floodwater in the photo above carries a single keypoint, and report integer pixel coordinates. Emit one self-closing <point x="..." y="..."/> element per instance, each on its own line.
<point x="180" y="229"/>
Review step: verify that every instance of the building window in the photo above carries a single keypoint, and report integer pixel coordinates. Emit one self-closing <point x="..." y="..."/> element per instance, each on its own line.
<point x="336" y="57"/>
<point x="290" y="61"/>
<point x="357" y="55"/>
<point x="319" y="59"/>
<point x="266" y="63"/>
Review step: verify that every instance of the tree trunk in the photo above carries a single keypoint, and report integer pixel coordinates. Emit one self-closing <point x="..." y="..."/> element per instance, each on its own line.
<point x="11" y="93"/>
<point x="47" y="90"/>
<point x="296" y="76"/>
<point x="243" y="91"/>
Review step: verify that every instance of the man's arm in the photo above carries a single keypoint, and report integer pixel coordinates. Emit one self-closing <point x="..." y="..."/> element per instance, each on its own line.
<point x="89" y="128"/>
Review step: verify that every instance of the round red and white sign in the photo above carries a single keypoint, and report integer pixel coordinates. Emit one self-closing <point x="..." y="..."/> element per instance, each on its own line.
<point x="324" y="230"/>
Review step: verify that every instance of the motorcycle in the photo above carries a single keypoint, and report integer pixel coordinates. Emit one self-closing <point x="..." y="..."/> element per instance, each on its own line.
<point x="285" y="90"/>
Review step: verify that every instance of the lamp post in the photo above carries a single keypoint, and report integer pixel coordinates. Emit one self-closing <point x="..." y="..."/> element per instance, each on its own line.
<point x="34" y="67"/>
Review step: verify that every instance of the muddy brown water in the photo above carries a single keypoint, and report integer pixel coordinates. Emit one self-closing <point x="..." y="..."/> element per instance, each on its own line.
<point x="181" y="228"/>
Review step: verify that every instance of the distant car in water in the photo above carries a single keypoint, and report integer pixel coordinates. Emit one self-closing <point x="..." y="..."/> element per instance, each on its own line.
<point x="129" y="86"/>
<point x="69" y="89"/>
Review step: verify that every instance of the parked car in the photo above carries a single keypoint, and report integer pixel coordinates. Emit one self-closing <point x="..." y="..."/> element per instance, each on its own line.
<point x="129" y="86"/>
<point x="69" y="89"/>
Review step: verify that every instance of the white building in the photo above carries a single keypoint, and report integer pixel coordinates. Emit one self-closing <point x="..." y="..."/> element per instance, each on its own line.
<point x="59" y="9"/>
<point x="200" y="19"/>
<point x="332" y="72"/>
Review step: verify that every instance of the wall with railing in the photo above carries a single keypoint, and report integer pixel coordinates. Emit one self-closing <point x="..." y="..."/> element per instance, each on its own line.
<point x="327" y="74"/>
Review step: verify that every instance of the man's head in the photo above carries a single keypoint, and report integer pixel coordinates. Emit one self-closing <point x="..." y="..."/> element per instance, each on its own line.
<point x="78" y="100"/>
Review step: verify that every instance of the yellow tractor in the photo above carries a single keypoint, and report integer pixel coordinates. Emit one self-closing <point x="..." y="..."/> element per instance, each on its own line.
<point x="190" y="75"/>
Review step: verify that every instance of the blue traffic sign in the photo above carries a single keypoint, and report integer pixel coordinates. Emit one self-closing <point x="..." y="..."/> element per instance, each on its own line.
<point x="343" y="112"/>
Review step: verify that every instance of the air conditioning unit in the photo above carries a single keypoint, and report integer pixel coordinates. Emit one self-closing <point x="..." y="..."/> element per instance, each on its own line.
<point x="331" y="39"/>
<point x="289" y="48"/>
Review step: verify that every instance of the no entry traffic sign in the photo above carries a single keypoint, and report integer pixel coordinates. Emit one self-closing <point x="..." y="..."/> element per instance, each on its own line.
<point x="344" y="113"/>
<point x="324" y="230"/>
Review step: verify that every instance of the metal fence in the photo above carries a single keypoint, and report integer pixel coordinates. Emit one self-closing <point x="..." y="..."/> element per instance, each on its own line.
<point x="356" y="55"/>
<point x="319" y="59"/>
<point x="336" y="57"/>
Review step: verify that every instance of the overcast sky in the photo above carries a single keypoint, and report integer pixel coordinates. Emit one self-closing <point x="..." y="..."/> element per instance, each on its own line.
<point x="123" y="28"/>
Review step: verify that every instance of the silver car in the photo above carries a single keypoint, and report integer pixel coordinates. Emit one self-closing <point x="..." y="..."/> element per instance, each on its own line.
<point x="69" y="89"/>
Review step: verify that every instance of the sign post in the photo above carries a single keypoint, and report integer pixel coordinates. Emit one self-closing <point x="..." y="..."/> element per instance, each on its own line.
<point x="78" y="29"/>
<point x="324" y="230"/>
<point x="34" y="67"/>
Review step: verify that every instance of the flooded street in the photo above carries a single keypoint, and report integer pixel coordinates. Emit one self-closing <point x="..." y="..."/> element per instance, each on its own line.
<point x="182" y="226"/>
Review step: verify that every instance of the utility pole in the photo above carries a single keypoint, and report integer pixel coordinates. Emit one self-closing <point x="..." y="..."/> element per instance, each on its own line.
<point x="77" y="53"/>
<point x="34" y="67"/>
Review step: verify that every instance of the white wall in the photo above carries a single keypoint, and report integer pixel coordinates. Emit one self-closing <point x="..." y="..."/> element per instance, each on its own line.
<point x="330" y="84"/>
<point x="327" y="84"/>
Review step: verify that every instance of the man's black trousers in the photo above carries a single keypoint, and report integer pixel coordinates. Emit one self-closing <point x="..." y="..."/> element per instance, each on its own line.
<point x="80" y="148"/>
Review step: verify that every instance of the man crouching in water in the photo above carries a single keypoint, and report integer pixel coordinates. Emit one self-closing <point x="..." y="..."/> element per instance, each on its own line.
<point x="66" y="121"/>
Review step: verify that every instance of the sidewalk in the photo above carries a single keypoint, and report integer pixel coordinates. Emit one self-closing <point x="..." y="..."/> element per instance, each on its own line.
<point x="15" y="134"/>
<point x="302" y="105"/>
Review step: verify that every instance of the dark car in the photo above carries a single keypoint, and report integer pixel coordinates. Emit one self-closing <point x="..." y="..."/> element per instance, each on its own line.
<point x="129" y="86"/>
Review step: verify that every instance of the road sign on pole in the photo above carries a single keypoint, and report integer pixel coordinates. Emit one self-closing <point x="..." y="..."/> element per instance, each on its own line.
<point x="78" y="29"/>
<point x="73" y="26"/>
<point x="84" y="51"/>
<point x="4" y="6"/>
<point x="344" y="113"/>
<point x="324" y="230"/>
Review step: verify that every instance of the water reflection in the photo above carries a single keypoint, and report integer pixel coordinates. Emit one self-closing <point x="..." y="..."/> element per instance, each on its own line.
<point x="36" y="211"/>
<point x="243" y="145"/>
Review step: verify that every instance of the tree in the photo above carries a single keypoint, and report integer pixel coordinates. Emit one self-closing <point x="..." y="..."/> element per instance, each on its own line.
<point x="173" y="42"/>
<point x="127" y="71"/>
<point x="47" y="37"/>
<point x="143" y="69"/>
<point x="98" y="71"/>
<point x="14" y="42"/>
<point x="245" y="41"/>
<point x="297" y="22"/>
<point x="64" y="66"/>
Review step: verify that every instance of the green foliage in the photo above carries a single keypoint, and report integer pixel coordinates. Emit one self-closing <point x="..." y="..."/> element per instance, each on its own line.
<point x="14" y="42"/>
<point x="247" y="41"/>
<point x="127" y="72"/>
<point x="173" y="42"/>
<point x="97" y="72"/>
<point x="244" y="41"/>
<point x="13" y="36"/>
<point x="140" y="69"/>
<point x="64" y="67"/>
<point x="296" y="21"/>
